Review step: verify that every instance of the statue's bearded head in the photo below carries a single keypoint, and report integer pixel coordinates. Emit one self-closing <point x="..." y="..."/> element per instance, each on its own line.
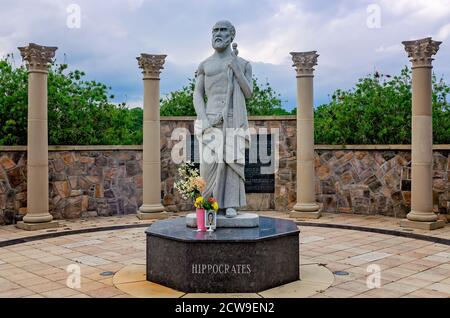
<point x="223" y="34"/>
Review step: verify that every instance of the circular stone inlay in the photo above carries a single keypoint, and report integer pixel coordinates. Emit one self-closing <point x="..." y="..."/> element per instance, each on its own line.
<point x="131" y="280"/>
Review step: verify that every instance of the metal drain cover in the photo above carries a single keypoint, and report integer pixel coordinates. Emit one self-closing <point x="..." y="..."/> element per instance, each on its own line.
<point x="341" y="273"/>
<point x="107" y="274"/>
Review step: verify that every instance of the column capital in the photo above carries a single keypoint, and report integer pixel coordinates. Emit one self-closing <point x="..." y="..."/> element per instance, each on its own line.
<point x="420" y="52"/>
<point x="37" y="57"/>
<point x="151" y="64"/>
<point x="304" y="62"/>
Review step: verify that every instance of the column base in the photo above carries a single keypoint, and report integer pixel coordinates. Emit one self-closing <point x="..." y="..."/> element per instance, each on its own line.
<point x="419" y="216"/>
<point x="151" y="208"/>
<point x="305" y="215"/>
<point x="154" y="215"/>
<point x="306" y="207"/>
<point x="422" y="225"/>
<point x="44" y="217"/>
<point x="37" y="226"/>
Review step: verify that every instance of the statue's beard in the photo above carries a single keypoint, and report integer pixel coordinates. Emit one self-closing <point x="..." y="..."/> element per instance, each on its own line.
<point x="220" y="43"/>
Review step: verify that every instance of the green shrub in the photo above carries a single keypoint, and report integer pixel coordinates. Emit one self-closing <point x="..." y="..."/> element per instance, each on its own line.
<point x="79" y="111"/>
<point x="265" y="101"/>
<point x="378" y="111"/>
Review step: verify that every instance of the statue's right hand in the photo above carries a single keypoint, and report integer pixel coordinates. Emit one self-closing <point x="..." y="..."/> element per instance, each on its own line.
<point x="201" y="125"/>
<point x="217" y="120"/>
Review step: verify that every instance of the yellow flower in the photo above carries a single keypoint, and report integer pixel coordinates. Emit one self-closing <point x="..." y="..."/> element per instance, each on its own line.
<point x="198" y="202"/>
<point x="215" y="206"/>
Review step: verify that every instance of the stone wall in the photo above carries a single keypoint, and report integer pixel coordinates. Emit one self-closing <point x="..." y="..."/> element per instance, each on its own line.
<point x="107" y="180"/>
<point x="375" y="181"/>
<point x="91" y="182"/>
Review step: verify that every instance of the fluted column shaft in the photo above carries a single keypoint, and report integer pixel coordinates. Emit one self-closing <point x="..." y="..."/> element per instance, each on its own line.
<point x="422" y="147"/>
<point x="37" y="58"/>
<point x="152" y="207"/>
<point x="306" y="196"/>
<point x="420" y="52"/>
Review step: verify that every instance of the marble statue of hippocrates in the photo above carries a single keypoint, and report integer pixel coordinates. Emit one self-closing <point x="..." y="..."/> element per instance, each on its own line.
<point x="223" y="83"/>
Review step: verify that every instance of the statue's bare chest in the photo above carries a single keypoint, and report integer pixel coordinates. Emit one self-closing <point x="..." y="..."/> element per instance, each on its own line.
<point x="215" y="68"/>
<point x="216" y="76"/>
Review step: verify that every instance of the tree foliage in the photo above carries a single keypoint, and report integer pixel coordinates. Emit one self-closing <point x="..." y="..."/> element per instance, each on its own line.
<point x="79" y="111"/>
<point x="13" y="104"/>
<point x="264" y="102"/>
<point x="180" y="102"/>
<point x="378" y="111"/>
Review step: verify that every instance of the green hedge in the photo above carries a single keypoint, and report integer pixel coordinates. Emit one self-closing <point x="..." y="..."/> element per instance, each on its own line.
<point x="378" y="111"/>
<point x="80" y="112"/>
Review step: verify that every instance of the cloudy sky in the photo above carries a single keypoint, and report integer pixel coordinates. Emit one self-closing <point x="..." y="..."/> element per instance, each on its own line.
<point x="353" y="37"/>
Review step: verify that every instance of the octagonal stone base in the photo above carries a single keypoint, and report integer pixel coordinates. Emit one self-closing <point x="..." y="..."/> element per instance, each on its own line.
<point x="229" y="260"/>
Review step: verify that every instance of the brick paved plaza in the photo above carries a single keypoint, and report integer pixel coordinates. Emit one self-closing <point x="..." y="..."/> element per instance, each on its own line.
<point x="409" y="267"/>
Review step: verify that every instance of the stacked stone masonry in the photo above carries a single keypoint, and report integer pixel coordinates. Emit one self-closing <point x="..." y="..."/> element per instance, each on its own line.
<point x="105" y="181"/>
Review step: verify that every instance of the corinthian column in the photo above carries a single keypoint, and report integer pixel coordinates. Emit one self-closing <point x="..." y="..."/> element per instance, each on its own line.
<point x="306" y="206"/>
<point x="152" y="207"/>
<point x="421" y="216"/>
<point x="38" y="217"/>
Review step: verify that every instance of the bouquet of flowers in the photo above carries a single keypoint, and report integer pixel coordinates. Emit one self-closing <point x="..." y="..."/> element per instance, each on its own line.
<point x="210" y="204"/>
<point x="191" y="185"/>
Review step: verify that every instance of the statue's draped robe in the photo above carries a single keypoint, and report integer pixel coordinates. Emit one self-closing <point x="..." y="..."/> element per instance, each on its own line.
<point x="225" y="179"/>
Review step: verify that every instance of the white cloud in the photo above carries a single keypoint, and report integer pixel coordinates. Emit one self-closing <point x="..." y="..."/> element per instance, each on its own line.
<point x="443" y="33"/>
<point x="389" y="49"/>
<point x="135" y="4"/>
<point x="418" y="9"/>
<point x="114" y="32"/>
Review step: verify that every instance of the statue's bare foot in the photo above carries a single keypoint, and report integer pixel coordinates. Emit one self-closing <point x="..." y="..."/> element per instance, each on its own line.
<point x="231" y="213"/>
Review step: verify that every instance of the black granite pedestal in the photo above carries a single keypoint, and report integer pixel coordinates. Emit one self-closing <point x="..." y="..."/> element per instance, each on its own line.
<point x="229" y="260"/>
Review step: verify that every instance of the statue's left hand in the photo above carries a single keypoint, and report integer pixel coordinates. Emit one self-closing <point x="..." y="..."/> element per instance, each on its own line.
<point x="234" y="65"/>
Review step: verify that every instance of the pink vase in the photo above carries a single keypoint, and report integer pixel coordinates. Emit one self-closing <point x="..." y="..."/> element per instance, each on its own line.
<point x="201" y="220"/>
